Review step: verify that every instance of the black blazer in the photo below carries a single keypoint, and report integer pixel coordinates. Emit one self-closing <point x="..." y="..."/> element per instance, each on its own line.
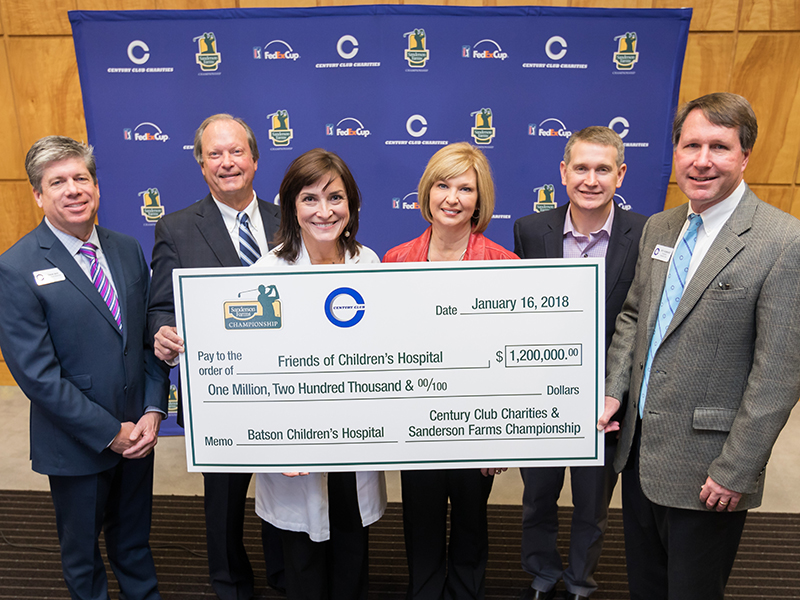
<point x="540" y="235"/>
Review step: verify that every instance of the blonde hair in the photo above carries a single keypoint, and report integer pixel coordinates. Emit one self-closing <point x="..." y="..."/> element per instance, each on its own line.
<point x="452" y="161"/>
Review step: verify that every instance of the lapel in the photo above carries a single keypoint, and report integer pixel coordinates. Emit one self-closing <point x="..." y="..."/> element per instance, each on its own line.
<point x="553" y="236"/>
<point x="666" y="234"/>
<point x="726" y="245"/>
<point x="57" y="255"/>
<point x="212" y="228"/>
<point x="619" y="245"/>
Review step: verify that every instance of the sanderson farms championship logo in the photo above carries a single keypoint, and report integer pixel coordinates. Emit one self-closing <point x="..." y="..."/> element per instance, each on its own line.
<point x="416" y="54"/>
<point x="483" y="132"/>
<point x="280" y="133"/>
<point x="626" y="54"/>
<point x="545" y="198"/>
<point x="152" y="210"/>
<point x="262" y="313"/>
<point x="207" y="56"/>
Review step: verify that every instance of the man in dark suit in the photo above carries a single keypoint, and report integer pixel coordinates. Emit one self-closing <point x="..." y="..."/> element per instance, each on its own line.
<point x="708" y="346"/>
<point x="230" y="227"/>
<point x="73" y="334"/>
<point x="590" y="225"/>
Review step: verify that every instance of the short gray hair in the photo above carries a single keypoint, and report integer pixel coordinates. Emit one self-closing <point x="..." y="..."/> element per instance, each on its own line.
<point x="198" y="135"/>
<point x="54" y="148"/>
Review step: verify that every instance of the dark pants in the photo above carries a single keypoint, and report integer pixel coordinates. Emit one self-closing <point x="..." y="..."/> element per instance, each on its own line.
<point x="336" y="569"/>
<point x="119" y="501"/>
<point x="675" y="553"/>
<point x="436" y="570"/>
<point x="228" y="566"/>
<point x="592" y="488"/>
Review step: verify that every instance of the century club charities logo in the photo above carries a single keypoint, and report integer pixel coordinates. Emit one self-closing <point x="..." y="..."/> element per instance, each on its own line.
<point x="555" y="48"/>
<point x="344" y="307"/>
<point x="347" y="127"/>
<point x="152" y="209"/>
<point x="416" y="54"/>
<point x="622" y="127"/>
<point x="280" y="132"/>
<point x="407" y="202"/>
<point x="262" y="313"/>
<point x="416" y="126"/>
<point x="550" y="127"/>
<point x="145" y="132"/>
<point x="207" y="56"/>
<point x="275" y="50"/>
<point x="483" y="130"/>
<point x="347" y="47"/>
<point x="485" y="49"/>
<point x="544" y="198"/>
<point x="626" y="55"/>
<point x="138" y="53"/>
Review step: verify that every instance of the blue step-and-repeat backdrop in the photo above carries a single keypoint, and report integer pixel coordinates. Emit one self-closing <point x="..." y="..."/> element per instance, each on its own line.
<point x="384" y="87"/>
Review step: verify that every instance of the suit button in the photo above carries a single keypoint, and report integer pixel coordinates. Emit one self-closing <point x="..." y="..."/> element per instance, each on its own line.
<point x="125" y="353"/>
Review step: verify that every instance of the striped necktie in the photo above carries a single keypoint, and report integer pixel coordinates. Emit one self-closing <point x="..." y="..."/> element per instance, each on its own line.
<point x="673" y="290"/>
<point x="248" y="247"/>
<point x="102" y="283"/>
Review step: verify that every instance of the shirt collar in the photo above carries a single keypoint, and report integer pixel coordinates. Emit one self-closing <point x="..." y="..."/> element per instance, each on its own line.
<point x="715" y="216"/>
<point x="569" y="227"/>
<point x="71" y="243"/>
<point x="230" y="215"/>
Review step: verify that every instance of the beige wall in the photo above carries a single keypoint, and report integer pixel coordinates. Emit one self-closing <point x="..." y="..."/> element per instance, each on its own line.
<point x="751" y="47"/>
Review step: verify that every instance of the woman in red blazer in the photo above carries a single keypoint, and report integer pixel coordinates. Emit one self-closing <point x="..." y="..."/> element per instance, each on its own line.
<point x="456" y="196"/>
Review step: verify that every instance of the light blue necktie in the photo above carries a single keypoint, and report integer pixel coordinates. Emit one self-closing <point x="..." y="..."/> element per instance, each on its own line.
<point x="249" y="251"/>
<point x="673" y="290"/>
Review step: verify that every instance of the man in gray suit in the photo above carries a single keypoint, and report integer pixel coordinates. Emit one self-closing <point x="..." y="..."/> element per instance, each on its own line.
<point x="708" y="347"/>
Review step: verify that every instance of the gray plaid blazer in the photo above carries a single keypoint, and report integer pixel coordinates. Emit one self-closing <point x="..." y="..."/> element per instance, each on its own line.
<point x="727" y="373"/>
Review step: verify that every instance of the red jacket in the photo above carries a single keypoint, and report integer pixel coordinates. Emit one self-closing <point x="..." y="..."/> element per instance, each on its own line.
<point x="479" y="247"/>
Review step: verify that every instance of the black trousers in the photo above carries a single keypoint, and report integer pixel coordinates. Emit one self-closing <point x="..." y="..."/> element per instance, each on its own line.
<point x="675" y="553"/>
<point x="336" y="569"/>
<point x="228" y="565"/>
<point x="436" y="571"/>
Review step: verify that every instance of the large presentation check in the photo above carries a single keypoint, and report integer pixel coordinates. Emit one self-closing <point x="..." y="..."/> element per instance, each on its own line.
<point x="392" y="366"/>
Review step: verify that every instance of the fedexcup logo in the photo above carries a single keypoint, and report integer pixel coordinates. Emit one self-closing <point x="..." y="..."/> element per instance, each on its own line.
<point x="545" y="198"/>
<point x="416" y="54"/>
<point x="483" y="132"/>
<point x="262" y="313"/>
<point x="344" y="307"/>
<point x="276" y="50"/>
<point x="549" y="128"/>
<point x="488" y="49"/>
<point x="207" y="56"/>
<point x="152" y="210"/>
<point x="347" y="127"/>
<point x="626" y="55"/>
<point x="621" y="202"/>
<point x="407" y="202"/>
<point x="145" y="132"/>
<point x="280" y="133"/>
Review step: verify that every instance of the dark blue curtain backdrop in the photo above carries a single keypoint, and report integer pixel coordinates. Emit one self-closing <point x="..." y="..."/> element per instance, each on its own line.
<point x="384" y="87"/>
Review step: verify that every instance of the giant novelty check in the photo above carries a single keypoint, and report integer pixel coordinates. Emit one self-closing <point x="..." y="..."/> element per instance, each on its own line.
<point x="398" y="366"/>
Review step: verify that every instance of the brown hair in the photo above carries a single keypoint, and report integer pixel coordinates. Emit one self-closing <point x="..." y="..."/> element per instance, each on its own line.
<point x="306" y="170"/>
<point x="600" y="136"/>
<point x="724" y="110"/>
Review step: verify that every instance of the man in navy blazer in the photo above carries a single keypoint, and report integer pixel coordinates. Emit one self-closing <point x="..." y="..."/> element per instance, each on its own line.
<point x="589" y="225"/>
<point x="207" y="234"/>
<point x="97" y="392"/>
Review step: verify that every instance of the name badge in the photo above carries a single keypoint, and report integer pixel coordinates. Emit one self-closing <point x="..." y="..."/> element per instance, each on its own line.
<point x="662" y="253"/>
<point x="48" y="276"/>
